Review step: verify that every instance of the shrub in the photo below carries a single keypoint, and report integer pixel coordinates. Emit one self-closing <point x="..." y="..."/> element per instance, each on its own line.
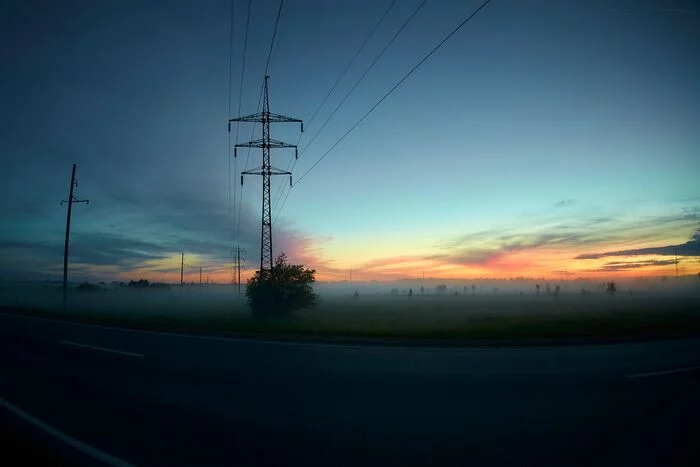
<point x="282" y="289"/>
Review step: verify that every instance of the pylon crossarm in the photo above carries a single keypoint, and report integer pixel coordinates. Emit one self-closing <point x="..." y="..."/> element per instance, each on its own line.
<point x="259" y="143"/>
<point x="258" y="117"/>
<point x="255" y="171"/>
<point x="276" y="171"/>
<point x="277" y="118"/>
<point x="261" y="171"/>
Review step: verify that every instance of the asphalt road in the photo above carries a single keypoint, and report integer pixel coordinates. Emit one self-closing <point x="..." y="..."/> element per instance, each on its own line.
<point x="151" y="398"/>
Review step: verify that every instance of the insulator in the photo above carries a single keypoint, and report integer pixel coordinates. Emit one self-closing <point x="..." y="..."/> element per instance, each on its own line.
<point x="235" y="152"/>
<point x="241" y="180"/>
<point x="296" y="153"/>
<point x="302" y="127"/>
<point x="229" y="127"/>
<point x="290" y="181"/>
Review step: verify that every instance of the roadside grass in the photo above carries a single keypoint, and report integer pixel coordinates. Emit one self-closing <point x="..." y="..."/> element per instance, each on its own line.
<point x="455" y="318"/>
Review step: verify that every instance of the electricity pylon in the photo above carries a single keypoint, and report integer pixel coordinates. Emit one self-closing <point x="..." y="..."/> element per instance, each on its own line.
<point x="266" y="170"/>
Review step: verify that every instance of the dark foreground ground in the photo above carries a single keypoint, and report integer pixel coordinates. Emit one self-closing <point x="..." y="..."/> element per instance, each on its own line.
<point x="151" y="398"/>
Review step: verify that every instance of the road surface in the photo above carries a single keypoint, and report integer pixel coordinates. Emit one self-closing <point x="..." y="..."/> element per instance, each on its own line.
<point x="148" y="398"/>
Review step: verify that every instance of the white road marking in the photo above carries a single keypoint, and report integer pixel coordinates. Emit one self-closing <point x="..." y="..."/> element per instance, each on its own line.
<point x="664" y="372"/>
<point x="102" y="349"/>
<point x="79" y="445"/>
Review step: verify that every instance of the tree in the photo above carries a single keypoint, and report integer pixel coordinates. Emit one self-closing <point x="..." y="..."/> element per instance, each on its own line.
<point x="473" y="290"/>
<point x="442" y="288"/>
<point x="538" y="289"/>
<point x="611" y="289"/>
<point x="281" y="289"/>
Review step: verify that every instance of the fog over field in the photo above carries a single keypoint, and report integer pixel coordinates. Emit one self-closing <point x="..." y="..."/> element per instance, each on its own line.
<point x="485" y="297"/>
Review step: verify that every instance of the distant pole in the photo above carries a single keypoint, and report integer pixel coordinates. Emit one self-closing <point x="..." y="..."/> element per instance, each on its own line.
<point x="71" y="199"/>
<point x="676" y="253"/>
<point x="238" y="266"/>
<point x="182" y="268"/>
<point x="200" y="276"/>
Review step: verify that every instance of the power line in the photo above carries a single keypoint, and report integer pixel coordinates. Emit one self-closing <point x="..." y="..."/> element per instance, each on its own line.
<point x="228" y="148"/>
<point x="240" y="98"/>
<point x="274" y="34"/>
<point x="347" y="67"/>
<point x="391" y="41"/>
<point x="252" y="133"/>
<point x="410" y="72"/>
<point x="292" y="162"/>
<point x="245" y="48"/>
<point x="374" y="62"/>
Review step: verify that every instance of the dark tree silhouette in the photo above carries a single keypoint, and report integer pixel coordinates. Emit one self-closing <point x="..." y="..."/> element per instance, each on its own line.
<point x="281" y="289"/>
<point x="140" y="284"/>
<point x="611" y="289"/>
<point x="473" y="290"/>
<point x="422" y="290"/>
<point x="442" y="288"/>
<point x="87" y="287"/>
<point x="538" y="288"/>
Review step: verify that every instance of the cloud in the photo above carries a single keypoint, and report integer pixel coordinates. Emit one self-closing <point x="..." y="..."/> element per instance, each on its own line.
<point x="689" y="248"/>
<point x="564" y="203"/>
<point x="126" y="234"/>
<point x="628" y="266"/>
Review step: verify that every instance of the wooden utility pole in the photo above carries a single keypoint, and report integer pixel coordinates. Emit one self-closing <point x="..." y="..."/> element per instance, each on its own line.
<point x="182" y="268"/>
<point x="71" y="199"/>
<point x="200" y="276"/>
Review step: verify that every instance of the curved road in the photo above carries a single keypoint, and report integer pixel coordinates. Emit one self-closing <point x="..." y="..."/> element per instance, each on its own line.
<point x="148" y="398"/>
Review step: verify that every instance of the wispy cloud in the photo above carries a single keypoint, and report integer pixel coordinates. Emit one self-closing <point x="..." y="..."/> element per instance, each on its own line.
<point x="689" y="248"/>
<point x="564" y="203"/>
<point x="128" y="235"/>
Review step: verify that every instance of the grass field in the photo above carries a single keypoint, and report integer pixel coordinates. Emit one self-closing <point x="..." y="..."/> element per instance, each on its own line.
<point x="506" y="316"/>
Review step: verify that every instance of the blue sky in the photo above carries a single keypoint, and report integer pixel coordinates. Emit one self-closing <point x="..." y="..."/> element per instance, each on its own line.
<point x="536" y="116"/>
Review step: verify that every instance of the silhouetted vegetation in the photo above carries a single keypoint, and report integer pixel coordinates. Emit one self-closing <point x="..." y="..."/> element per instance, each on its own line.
<point x="142" y="284"/>
<point x="88" y="287"/>
<point x="283" y="288"/>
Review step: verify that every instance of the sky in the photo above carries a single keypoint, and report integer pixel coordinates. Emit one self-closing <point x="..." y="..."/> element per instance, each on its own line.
<point x="544" y="136"/>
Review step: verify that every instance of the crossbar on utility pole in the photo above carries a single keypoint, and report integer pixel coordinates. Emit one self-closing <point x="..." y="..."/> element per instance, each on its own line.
<point x="71" y="199"/>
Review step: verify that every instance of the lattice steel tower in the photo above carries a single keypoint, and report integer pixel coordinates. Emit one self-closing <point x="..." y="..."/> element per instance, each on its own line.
<point x="266" y="170"/>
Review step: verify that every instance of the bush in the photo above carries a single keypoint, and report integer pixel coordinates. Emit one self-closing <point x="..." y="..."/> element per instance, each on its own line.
<point x="282" y="289"/>
<point x="87" y="287"/>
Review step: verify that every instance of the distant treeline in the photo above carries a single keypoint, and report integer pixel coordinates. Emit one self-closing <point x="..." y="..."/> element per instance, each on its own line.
<point x="138" y="285"/>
